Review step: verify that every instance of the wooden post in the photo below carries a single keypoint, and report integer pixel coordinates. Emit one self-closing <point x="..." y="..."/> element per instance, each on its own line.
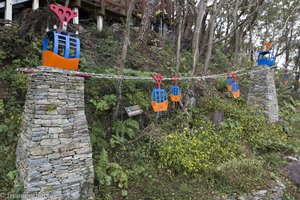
<point x="172" y="14"/>
<point x="162" y="8"/>
<point x="8" y="10"/>
<point x="100" y="22"/>
<point x="161" y="26"/>
<point x="168" y="9"/>
<point x="126" y="6"/>
<point x="143" y="7"/>
<point x="35" y="4"/>
<point x="102" y="7"/>
<point x="76" y="19"/>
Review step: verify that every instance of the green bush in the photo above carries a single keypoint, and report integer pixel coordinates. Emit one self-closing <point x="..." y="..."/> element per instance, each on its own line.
<point x="291" y="116"/>
<point x="104" y="104"/>
<point x="109" y="173"/>
<point x="199" y="146"/>
<point x="1" y="107"/>
<point x="254" y="129"/>
<point x="197" y="149"/>
<point x="10" y="121"/>
<point x="123" y="130"/>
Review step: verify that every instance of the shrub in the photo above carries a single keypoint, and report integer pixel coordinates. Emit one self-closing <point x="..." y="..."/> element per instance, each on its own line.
<point x="254" y="129"/>
<point x="108" y="173"/>
<point x="197" y="149"/>
<point x="198" y="146"/>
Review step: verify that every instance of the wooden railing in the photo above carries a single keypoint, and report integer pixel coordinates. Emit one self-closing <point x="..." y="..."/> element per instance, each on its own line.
<point x="121" y="6"/>
<point x="14" y="2"/>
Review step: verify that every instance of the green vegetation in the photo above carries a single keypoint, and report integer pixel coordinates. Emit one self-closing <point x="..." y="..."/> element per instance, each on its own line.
<point x="199" y="146"/>
<point x="177" y="155"/>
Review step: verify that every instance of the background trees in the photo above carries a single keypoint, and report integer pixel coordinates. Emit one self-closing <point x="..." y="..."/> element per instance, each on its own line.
<point x="238" y="27"/>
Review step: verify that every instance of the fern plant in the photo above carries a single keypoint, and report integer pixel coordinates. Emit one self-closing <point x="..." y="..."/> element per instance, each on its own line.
<point x="111" y="172"/>
<point x="106" y="103"/>
<point x="123" y="130"/>
<point x="101" y="169"/>
<point x="1" y="106"/>
<point x="291" y="116"/>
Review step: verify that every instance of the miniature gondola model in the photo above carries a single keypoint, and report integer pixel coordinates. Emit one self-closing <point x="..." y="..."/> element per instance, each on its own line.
<point x="229" y="81"/>
<point x="175" y="92"/>
<point x="235" y="87"/>
<point x="159" y="100"/>
<point x="285" y="78"/>
<point x="266" y="57"/>
<point x="61" y="48"/>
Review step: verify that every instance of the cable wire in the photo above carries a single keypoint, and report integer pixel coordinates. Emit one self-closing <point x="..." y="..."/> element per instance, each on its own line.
<point x="47" y="70"/>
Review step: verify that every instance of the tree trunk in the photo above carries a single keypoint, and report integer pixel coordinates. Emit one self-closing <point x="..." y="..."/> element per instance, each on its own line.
<point x="181" y="12"/>
<point x="251" y="47"/>
<point x="212" y="24"/>
<point x="200" y="12"/>
<point x="123" y="58"/>
<point x="188" y="26"/>
<point x="296" y="68"/>
<point x="287" y="51"/>
<point x="146" y="22"/>
<point x="127" y="34"/>
<point x="204" y="34"/>
<point x="289" y="38"/>
<point x="67" y="3"/>
<point x="236" y="33"/>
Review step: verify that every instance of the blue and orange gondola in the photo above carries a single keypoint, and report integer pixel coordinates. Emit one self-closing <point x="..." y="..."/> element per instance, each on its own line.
<point x="285" y="78"/>
<point x="235" y="87"/>
<point x="175" y="92"/>
<point x="61" y="48"/>
<point x="266" y="58"/>
<point x="229" y="81"/>
<point x="159" y="100"/>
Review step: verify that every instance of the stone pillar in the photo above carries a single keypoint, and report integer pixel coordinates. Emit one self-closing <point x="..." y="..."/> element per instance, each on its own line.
<point x="54" y="154"/>
<point x="99" y="22"/>
<point x="35" y="4"/>
<point x="76" y="19"/>
<point x="8" y="10"/>
<point x="262" y="93"/>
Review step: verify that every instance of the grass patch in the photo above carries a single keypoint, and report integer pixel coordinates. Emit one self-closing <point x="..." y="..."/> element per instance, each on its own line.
<point x="274" y="161"/>
<point x="177" y="187"/>
<point x="241" y="175"/>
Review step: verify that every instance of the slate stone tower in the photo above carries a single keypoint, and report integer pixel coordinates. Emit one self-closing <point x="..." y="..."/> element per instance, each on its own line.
<point x="262" y="93"/>
<point x="54" y="153"/>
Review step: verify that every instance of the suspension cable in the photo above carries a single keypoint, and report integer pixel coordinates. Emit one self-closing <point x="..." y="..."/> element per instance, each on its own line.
<point x="47" y="70"/>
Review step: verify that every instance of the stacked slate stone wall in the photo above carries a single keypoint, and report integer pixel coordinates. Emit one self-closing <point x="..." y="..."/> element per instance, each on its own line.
<point x="262" y="93"/>
<point x="54" y="154"/>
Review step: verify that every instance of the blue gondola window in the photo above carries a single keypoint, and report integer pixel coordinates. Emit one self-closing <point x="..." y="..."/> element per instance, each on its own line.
<point x="159" y="95"/>
<point x="62" y="44"/>
<point x="175" y="90"/>
<point x="235" y="87"/>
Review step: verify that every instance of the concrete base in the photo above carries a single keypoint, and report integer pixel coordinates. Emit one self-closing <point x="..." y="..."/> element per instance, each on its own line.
<point x="35" y="4"/>
<point x="100" y="22"/>
<point x="8" y="11"/>
<point x="76" y="19"/>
